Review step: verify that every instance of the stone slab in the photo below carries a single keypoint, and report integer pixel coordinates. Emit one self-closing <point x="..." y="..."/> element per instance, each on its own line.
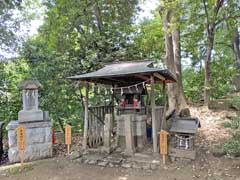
<point x="107" y="132"/>
<point x="40" y="124"/>
<point x="139" y="125"/>
<point x="139" y="141"/>
<point x="33" y="136"/>
<point x="129" y="139"/>
<point x="32" y="152"/>
<point x="30" y="116"/>
<point x="12" y="125"/>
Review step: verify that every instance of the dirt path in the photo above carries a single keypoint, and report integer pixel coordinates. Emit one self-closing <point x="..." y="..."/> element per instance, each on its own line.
<point x="64" y="169"/>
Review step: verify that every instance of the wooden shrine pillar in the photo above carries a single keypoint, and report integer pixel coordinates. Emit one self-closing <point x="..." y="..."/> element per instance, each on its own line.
<point x="153" y="107"/>
<point x="164" y="121"/>
<point x="85" y="133"/>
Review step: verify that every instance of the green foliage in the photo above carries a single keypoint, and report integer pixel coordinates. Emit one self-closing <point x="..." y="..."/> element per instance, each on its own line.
<point x="15" y="17"/>
<point x="233" y="124"/>
<point x="222" y="74"/>
<point x="11" y="74"/>
<point x="148" y="39"/>
<point x="232" y="146"/>
<point x="193" y="83"/>
<point x="236" y="102"/>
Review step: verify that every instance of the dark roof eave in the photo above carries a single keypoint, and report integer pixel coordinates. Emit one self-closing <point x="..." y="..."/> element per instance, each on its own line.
<point x="83" y="77"/>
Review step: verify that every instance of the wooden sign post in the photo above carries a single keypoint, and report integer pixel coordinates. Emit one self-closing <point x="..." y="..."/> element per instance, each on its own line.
<point x="21" y="142"/>
<point x="68" y="137"/>
<point x="163" y="144"/>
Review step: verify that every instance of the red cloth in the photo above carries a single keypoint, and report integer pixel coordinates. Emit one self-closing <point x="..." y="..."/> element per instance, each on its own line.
<point x="53" y="136"/>
<point x="135" y="103"/>
<point x="124" y="103"/>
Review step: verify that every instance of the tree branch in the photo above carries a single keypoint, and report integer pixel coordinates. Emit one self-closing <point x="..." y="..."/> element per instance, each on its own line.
<point x="227" y="18"/>
<point x="207" y="17"/>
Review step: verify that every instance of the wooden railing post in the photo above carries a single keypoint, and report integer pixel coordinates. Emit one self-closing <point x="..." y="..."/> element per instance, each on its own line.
<point x="85" y="133"/>
<point x="154" y="130"/>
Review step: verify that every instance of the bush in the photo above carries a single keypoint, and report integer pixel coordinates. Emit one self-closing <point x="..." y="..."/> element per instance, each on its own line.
<point x="232" y="146"/>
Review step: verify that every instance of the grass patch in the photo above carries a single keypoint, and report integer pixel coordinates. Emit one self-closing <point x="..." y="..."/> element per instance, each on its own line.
<point x="232" y="146"/>
<point x="17" y="169"/>
<point x="236" y="102"/>
<point x="233" y="124"/>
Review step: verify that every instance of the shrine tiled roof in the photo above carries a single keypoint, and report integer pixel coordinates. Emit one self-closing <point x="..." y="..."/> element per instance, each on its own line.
<point x="125" y="73"/>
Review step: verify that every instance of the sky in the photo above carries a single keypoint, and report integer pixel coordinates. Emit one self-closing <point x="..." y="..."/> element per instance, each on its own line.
<point x="147" y="6"/>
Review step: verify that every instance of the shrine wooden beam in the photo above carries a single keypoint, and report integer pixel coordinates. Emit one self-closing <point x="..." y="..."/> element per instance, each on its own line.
<point x="164" y="121"/>
<point x="159" y="76"/>
<point x="142" y="77"/>
<point x="115" y="80"/>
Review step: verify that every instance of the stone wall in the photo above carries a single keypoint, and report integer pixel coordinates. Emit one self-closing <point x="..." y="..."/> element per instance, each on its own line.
<point x="38" y="140"/>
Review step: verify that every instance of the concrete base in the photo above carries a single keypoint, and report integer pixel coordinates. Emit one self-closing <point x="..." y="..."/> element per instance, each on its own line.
<point x="32" y="152"/>
<point x="38" y="140"/>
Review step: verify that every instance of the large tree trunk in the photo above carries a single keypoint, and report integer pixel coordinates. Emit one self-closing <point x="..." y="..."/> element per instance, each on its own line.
<point x="235" y="45"/>
<point x="210" y="28"/>
<point x="207" y="61"/>
<point x="177" y="59"/>
<point x="169" y="60"/>
<point x="176" y="98"/>
<point x="236" y="51"/>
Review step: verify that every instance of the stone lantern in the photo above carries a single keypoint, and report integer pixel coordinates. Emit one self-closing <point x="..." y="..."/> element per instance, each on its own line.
<point x="37" y="123"/>
<point x="30" y="111"/>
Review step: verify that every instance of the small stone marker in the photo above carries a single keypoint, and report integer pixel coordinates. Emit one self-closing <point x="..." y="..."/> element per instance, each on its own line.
<point x="163" y="144"/>
<point x="21" y="142"/>
<point x="68" y="137"/>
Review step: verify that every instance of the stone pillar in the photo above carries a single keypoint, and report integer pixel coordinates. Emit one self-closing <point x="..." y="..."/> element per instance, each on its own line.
<point x="36" y="99"/>
<point x="24" y="100"/>
<point x="129" y="138"/>
<point x="107" y="132"/>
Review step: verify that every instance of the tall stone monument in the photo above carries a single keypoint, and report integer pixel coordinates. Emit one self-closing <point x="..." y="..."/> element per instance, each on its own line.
<point x="37" y="123"/>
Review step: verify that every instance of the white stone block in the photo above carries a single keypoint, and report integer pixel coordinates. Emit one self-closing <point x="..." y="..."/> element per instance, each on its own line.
<point x="30" y="116"/>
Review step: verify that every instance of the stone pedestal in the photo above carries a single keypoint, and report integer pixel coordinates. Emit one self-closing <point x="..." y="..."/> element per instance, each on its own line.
<point x="30" y="116"/>
<point x="38" y="141"/>
<point x="37" y="123"/>
<point x="138" y="130"/>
